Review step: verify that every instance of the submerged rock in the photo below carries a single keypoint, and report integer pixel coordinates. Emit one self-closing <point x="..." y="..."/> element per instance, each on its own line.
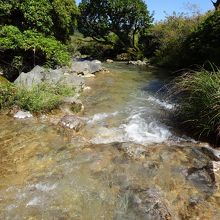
<point x="206" y="176"/>
<point x="23" y="115"/>
<point x="72" y="122"/>
<point x="201" y="178"/>
<point x="138" y="63"/>
<point x="213" y="154"/>
<point x="150" y="204"/>
<point x="109" y="61"/>
<point x="135" y="151"/>
<point x="74" y="104"/>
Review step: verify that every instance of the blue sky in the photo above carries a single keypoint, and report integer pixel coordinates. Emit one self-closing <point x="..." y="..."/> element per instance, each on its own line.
<point x="163" y="7"/>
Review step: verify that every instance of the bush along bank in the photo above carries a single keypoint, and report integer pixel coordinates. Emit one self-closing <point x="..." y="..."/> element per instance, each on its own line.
<point x="197" y="97"/>
<point x="37" y="99"/>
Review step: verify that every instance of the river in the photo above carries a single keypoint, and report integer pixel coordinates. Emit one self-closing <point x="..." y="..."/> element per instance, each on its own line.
<point x="128" y="162"/>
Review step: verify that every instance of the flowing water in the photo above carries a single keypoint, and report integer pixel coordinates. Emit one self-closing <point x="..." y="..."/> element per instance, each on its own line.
<point x="128" y="162"/>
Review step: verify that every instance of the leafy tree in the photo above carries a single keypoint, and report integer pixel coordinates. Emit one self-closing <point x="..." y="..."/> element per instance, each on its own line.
<point x="50" y="17"/>
<point x="168" y="39"/>
<point x="64" y="16"/>
<point x="216" y="5"/>
<point x="22" y="50"/>
<point x="116" y="22"/>
<point x="31" y="31"/>
<point x="203" y="45"/>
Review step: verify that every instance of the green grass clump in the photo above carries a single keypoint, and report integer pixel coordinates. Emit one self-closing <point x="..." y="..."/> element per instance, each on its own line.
<point x="198" y="101"/>
<point x="40" y="98"/>
<point x="7" y="94"/>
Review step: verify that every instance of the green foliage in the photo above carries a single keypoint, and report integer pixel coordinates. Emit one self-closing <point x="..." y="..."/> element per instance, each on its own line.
<point x="169" y="36"/>
<point x="198" y="97"/>
<point x="31" y="31"/>
<point x="97" y="50"/>
<point x="182" y="41"/>
<point x="204" y="43"/>
<point x="50" y="17"/>
<point x="89" y="47"/>
<point x="36" y="15"/>
<point x="30" y="47"/>
<point x="114" y="22"/>
<point x="7" y="93"/>
<point x="6" y="8"/>
<point x="64" y="17"/>
<point x="40" y="98"/>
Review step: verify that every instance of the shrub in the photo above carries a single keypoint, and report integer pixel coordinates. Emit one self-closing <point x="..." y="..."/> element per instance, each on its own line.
<point x="7" y="94"/>
<point x="40" y="98"/>
<point x="198" y="101"/>
<point x="31" y="33"/>
<point x="25" y="49"/>
<point x="169" y="37"/>
<point x="203" y="45"/>
<point x="52" y="18"/>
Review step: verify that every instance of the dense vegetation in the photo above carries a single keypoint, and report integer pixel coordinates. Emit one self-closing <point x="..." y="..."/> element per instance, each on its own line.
<point x="204" y="43"/>
<point x="182" y="41"/>
<point x="119" y="23"/>
<point x="168" y="38"/>
<point x="33" y="32"/>
<point x="40" y="98"/>
<point x="197" y="95"/>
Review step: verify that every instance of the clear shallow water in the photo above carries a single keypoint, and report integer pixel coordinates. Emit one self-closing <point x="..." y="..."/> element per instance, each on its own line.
<point x="127" y="163"/>
<point x="125" y="105"/>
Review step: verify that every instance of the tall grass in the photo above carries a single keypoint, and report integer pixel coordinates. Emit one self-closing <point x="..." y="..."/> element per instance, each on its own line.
<point x="197" y="95"/>
<point x="40" y="98"/>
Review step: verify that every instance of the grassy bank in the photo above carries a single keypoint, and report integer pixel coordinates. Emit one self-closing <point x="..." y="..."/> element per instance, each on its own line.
<point x="197" y="95"/>
<point x="40" y="98"/>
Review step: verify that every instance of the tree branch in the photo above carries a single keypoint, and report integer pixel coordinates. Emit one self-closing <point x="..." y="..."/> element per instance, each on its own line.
<point x="216" y="5"/>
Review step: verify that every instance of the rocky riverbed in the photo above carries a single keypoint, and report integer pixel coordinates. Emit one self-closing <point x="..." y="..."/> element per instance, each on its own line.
<point x="120" y="158"/>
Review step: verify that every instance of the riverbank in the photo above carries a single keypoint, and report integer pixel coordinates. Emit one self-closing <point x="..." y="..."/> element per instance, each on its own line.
<point x="42" y="90"/>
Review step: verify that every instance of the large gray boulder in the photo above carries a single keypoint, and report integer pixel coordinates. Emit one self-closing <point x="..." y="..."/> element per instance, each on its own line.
<point x="86" y="67"/>
<point x="34" y="77"/>
<point x="39" y="75"/>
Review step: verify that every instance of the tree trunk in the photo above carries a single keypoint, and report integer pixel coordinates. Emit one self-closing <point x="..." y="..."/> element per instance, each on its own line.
<point x="216" y="5"/>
